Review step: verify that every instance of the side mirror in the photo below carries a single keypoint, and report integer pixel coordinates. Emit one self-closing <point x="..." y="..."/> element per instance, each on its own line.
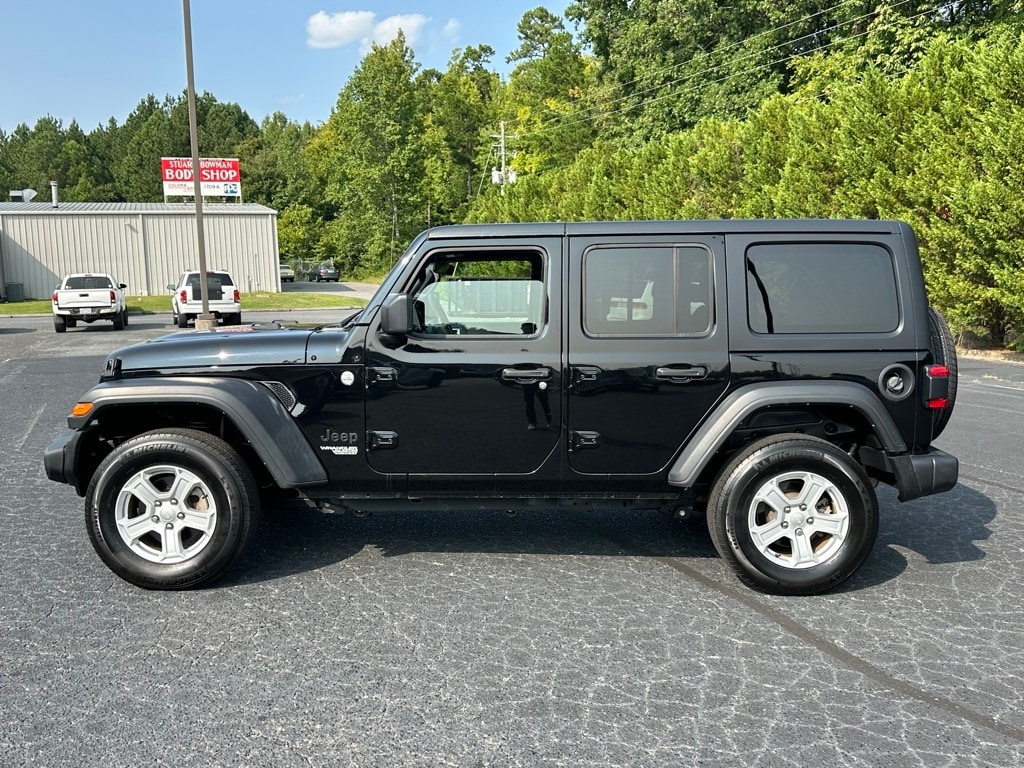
<point x="121" y="285"/>
<point x="396" y="315"/>
<point x="170" y="286"/>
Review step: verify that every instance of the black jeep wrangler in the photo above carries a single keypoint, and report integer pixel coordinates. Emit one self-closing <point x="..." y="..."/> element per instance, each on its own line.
<point x="769" y="373"/>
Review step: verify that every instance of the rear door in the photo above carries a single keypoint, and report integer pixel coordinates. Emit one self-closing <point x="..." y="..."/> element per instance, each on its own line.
<point x="647" y="349"/>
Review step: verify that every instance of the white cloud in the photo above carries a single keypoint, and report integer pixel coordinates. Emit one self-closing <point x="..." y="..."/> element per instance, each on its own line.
<point x="383" y="33"/>
<point x="451" y="30"/>
<point x="334" y="30"/>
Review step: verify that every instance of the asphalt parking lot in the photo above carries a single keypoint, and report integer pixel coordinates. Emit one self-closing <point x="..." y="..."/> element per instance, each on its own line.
<point x="542" y="638"/>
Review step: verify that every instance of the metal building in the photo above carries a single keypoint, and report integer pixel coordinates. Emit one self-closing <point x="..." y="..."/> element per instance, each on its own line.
<point x="144" y="245"/>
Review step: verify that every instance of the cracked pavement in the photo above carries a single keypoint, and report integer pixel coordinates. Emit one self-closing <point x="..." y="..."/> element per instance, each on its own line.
<point x="548" y="637"/>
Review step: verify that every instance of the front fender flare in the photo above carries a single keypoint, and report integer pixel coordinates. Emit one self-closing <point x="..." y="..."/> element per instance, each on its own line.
<point x="252" y="408"/>
<point x="740" y="404"/>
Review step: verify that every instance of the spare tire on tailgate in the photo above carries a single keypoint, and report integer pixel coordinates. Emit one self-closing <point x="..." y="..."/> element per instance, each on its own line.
<point x="944" y="353"/>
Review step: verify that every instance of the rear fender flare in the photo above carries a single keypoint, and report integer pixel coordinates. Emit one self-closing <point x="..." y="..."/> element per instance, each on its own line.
<point x="737" y="406"/>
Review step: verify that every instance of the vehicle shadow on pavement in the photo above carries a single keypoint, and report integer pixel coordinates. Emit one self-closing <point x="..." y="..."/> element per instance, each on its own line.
<point x="293" y="540"/>
<point x="15" y="330"/>
<point x="941" y="529"/>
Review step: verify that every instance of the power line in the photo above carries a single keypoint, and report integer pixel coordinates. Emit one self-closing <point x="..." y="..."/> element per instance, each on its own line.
<point x="716" y="67"/>
<point x="745" y="41"/>
<point x="559" y="121"/>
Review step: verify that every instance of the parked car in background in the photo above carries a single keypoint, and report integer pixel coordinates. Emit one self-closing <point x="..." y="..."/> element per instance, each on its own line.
<point x="287" y="273"/>
<point x="323" y="272"/>
<point x="88" y="297"/>
<point x="187" y="300"/>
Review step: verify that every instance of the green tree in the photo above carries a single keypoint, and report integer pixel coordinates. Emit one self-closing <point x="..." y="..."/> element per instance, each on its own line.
<point x="544" y="103"/>
<point x="368" y="160"/>
<point x="461" y="110"/>
<point x="273" y="162"/>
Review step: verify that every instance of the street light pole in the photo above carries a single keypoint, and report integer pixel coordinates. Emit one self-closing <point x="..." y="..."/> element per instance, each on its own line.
<point x="205" y="321"/>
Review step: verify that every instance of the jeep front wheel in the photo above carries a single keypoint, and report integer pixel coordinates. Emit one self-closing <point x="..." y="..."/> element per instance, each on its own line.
<point x="793" y="515"/>
<point x="171" y="509"/>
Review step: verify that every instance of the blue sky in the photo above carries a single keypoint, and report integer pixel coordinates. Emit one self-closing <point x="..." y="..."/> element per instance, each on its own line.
<point x="91" y="60"/>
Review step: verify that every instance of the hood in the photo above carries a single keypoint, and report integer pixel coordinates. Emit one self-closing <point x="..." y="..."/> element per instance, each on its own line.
<point x="238" y="347"/>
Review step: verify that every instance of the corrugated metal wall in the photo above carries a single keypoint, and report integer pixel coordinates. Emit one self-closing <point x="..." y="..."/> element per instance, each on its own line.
<point x="145" y="250"/>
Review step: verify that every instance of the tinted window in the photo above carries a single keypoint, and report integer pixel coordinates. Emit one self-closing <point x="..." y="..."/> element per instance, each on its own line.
<point x="88" y="283"/>
<point x="217" y="279"/>
<point x="660" y="290"/>
<point x="821" y="288"/>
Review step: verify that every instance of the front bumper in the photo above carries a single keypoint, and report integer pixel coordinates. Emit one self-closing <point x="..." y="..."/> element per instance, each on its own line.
<point x="924" y="474"/>
<point x="60" y="457"/>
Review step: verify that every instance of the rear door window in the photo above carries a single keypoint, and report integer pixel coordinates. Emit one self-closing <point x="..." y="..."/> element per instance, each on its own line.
<point x="647" y="290"/>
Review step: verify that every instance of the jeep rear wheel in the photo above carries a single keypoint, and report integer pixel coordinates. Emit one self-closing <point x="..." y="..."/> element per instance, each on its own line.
<point x="793" y="515"/>
<point x="171" y="509"/>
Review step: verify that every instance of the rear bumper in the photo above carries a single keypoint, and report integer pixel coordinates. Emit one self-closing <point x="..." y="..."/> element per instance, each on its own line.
<point x="924" y="474"/>
<point x="193" y="310"/>
<point x="93" y="312"/>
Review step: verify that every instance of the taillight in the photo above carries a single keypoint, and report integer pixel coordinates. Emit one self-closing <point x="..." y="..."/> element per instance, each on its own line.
<point x="113" y="297"/>
<point x="54" y="297"/>
<point x="183" y="297"/>
<point x="236" y="296"/>
<point x="937" y="387"/>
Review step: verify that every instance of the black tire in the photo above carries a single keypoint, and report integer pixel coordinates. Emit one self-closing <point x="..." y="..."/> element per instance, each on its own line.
<point x="124" y="317"/>
<point x="59" y="324"/>
<point x="119" y="321"/>
<point x="182" y="320"/>
<point x="129" y="532"/>
<point x="943" y="351"/>
<point x="819" y="543"/>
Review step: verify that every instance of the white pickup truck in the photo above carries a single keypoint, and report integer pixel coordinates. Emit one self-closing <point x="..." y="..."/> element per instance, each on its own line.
<point x="89" y="297"/>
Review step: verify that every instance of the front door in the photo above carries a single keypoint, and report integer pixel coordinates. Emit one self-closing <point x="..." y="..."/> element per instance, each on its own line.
<point x="475" y="390"/>
<point x="647" y="350"/>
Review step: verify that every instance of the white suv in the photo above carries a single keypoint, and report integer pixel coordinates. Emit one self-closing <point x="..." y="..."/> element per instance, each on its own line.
<point x="187" y="300"/>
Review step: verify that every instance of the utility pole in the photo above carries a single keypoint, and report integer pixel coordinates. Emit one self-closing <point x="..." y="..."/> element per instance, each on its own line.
<point x="502" y="127"/>
<point x="205" y="321"/>
<point x="505" y="175"/>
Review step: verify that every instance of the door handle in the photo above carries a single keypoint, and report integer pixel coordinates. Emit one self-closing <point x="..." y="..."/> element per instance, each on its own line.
<point x="381" y="376"/>
<point x="523" y="375"/>
<point x="674" y="374"/>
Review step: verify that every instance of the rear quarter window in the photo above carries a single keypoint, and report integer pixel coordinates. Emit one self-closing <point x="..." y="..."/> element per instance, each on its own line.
<point x="821" y="288"/>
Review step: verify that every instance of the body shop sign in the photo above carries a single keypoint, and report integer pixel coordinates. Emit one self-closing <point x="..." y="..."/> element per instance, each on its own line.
<point x="218" y="177"/>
